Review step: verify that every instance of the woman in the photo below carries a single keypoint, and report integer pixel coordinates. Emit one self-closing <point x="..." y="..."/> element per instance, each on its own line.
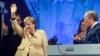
<point x="82" y="31"/>
<point x="34" y="41"/>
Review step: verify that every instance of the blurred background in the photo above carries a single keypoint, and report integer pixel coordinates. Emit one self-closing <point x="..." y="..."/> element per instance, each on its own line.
<point x="59" y="18"/>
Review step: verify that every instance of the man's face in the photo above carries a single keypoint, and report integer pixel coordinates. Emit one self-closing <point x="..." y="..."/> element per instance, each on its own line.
<point x="18" y="20"/>
<point x="87" y="20"/>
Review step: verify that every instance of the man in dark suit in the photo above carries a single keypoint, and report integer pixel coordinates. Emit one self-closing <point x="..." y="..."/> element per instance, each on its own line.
<point x="93" y="35"/>
<point x="11" y="40"/>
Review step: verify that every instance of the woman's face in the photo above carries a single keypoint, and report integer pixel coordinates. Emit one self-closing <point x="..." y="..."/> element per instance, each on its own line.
<point x="29" y="26"/>
<point x="84" y="26"/>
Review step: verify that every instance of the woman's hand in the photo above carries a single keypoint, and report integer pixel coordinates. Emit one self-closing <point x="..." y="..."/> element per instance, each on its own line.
<point x="77" y="38"/>
<point x="13" y="8"/>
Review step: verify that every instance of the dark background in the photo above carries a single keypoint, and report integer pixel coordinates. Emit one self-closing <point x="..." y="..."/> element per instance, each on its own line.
<point x="22" y="10"/>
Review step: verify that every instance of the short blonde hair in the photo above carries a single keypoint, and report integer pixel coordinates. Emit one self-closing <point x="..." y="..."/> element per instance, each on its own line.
<point x="29" y="18"/>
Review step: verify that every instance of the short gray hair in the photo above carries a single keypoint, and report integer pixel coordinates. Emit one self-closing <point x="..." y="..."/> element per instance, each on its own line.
<point x="92" y="14"/>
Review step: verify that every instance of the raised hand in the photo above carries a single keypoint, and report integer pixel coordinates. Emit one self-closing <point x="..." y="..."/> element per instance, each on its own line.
<point x="13" y="8"/>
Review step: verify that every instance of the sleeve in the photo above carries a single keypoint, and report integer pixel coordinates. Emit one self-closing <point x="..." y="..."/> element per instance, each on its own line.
<point x="98" y="34"/>
<point x="95" y="37"/>
<point x="45" y="43"/>
<point x="17" y="27"/>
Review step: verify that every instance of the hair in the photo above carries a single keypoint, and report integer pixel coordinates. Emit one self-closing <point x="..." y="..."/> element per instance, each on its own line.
<point x="92" y="14"/>
<point x="31" y="19"/>
<point x="79" y="29"/>
<point x="17" y="14"/>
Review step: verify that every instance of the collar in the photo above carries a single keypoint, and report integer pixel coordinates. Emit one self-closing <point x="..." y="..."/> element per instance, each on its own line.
<point x="94" y="24"/>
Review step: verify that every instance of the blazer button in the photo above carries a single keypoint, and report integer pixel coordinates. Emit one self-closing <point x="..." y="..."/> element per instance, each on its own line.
<point x="29" y="45"/>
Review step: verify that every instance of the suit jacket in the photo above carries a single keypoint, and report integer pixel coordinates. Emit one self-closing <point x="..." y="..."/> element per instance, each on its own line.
<point x="10" y="42"/>
<point x="34" y="45"/>
<point x="93" y="35"/>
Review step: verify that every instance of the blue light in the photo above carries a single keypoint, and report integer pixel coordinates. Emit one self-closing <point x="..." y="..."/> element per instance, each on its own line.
<point x="61" y="18"/>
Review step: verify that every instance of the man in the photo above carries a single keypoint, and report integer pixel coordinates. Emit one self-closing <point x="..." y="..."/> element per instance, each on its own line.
<point x="93" y="35"/>
<point x="11" y="39"/>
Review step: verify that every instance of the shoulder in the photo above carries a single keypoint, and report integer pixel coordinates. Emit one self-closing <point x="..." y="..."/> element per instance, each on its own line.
<point x="41" y="31"/>
<point x="98" y="24"/>
<point x="97" y="28"/>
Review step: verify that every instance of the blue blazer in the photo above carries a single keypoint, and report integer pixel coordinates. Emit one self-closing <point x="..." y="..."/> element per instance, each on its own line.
<point x="93" y="35"/>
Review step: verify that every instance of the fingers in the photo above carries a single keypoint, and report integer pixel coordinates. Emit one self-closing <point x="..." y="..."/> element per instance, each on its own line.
<point x="13" y="8"/>
<point x="13" y="5"/>
<point x="26" y="32"/>
<point x="25" y="29"/>
<point x="77" y="38"/>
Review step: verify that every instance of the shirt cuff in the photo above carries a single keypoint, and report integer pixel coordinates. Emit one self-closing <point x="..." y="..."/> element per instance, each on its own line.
<point x="12" y="18"/>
